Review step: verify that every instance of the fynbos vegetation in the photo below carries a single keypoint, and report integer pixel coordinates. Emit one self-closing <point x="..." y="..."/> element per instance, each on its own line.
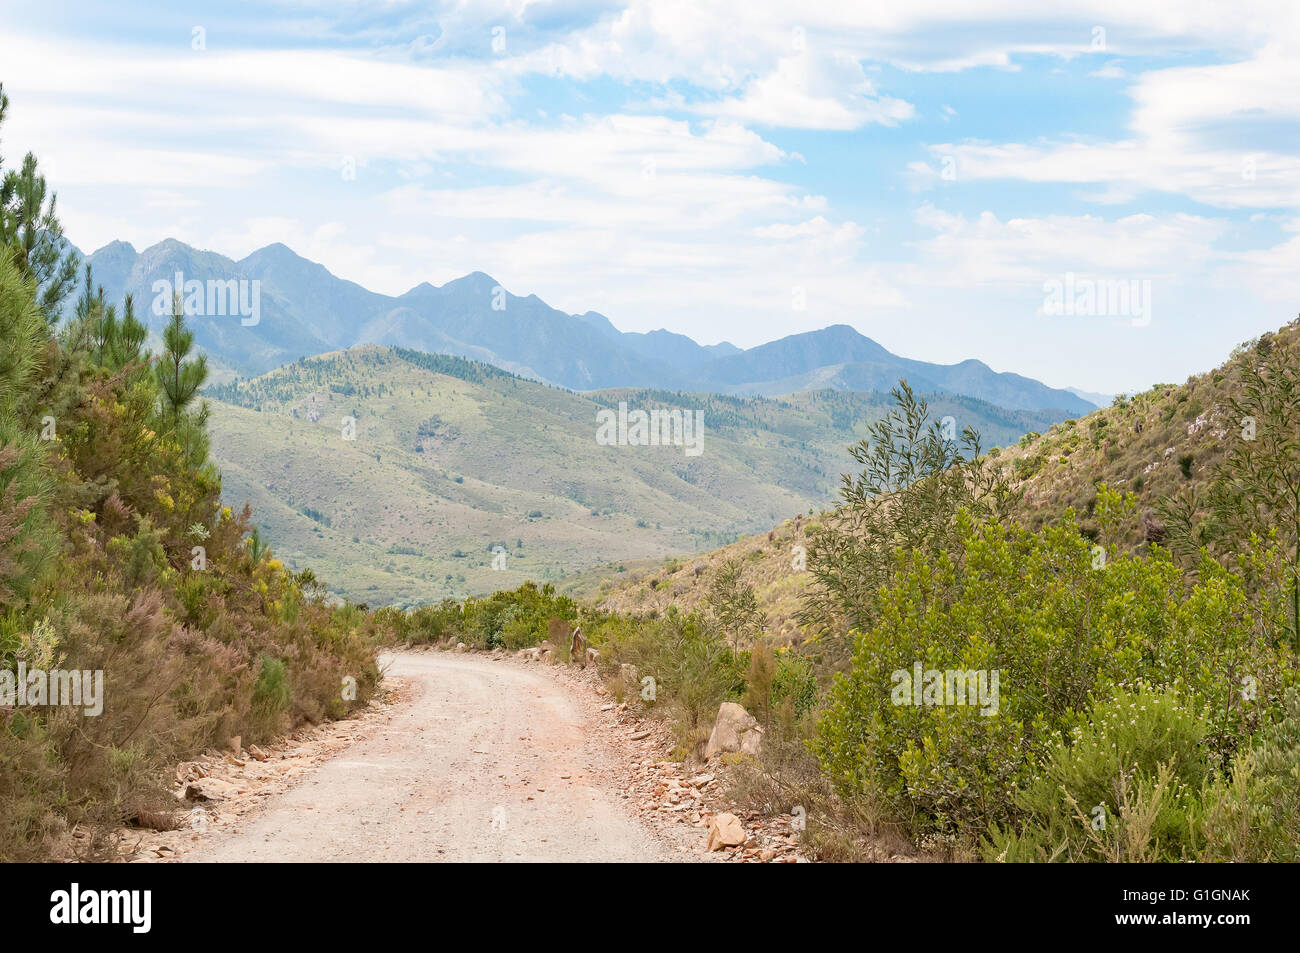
<point x="1116" y="683"/>
<point x="118" y="557"/>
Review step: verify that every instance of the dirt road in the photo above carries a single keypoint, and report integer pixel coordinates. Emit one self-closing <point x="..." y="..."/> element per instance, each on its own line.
<point x="490" y="761"/>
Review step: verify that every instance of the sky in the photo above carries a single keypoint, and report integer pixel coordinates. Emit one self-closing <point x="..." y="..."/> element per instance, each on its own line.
<point x="931" y="173"/>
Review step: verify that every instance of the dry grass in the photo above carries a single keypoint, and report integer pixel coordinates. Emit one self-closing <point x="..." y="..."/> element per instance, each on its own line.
<point x="1152" y="444"/>
<point x="768" y="561"/>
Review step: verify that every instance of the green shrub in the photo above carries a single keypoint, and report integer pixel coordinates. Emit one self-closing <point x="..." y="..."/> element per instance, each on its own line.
<point x="795" y="683"/>
<point x="693" y="667"/>
<point x="516" y="618"/>
<point x="435" y="623"/>
<point x="758" y="698"/>
<point x="1123" y="788"/>
<point x="1060" y="633"/>
<point x="1025" y="467"/>
<point x="271" y="692"/>
<point x="141" y="556"/>
<point x="1253" y="815"/>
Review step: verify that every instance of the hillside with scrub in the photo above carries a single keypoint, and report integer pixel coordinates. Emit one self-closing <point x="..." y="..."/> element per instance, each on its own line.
<point x="1163" y="446"/>
<point x="1143" y="632"/>
<point x="118" y="557"/>
<point x="772" y="564"/>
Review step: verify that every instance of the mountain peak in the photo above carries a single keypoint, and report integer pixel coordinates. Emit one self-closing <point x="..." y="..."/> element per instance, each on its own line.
<point x="280" y="256"/>
<point x="475" y="279"/>
<point x="423" y="288"/>
<point x="276" y="250"/>
<point x="174" y="248"/>
<point x="116" y="247"/>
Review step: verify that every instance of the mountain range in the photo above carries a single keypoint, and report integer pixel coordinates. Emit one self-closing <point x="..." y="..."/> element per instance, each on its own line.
<point x="306" y="310"/>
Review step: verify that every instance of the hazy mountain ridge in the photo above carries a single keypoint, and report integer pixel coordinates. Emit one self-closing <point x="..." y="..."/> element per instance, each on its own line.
<point x="306" y="310"/>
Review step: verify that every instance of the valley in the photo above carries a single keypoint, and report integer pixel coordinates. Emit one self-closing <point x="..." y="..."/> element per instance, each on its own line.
<point x="454" y="459"/>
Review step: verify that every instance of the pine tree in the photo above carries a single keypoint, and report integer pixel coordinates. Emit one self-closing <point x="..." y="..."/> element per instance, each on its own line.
<point x="86" y="301"/>
<point x="179" y="378"/>
<point x="23" y="336"/>
<point x="258" y="548"/>
<point x="126" y="342"/>
<point x="113" y="343"/>
<point x="58" y="385"/>
<point x="31" y="230"/>
<point x="103" y="327"/>
<point x="26" y="535"/>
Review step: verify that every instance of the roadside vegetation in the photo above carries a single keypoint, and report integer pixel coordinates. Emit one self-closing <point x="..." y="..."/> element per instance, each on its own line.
<point x="116" y="555"/>
<point x="1145" y="645"/>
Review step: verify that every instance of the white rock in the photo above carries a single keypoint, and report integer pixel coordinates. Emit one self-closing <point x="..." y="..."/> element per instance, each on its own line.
<point x="734" y="730"/>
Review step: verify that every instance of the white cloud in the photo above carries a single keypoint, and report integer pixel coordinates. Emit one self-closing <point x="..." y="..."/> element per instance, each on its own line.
<point x="1208" y="132"/>
<point x="614" y="201"/>
<point x="811" y="92"/>
<point x="257" y="79"/>
<point x="724" y="45"/>
<point x="986" y="250"/>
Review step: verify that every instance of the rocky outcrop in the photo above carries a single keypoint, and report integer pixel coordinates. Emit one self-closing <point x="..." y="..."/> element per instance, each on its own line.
<point x="735" y="730"/>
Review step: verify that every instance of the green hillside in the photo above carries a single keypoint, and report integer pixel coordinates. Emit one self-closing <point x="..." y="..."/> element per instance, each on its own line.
<point x="1161" y="444"/>
<point x="1130" y="584"/>
<point x="452" y="458"/>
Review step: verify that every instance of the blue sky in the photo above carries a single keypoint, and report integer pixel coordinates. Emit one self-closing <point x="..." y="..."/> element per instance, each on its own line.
<point x="919" y="171"/>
